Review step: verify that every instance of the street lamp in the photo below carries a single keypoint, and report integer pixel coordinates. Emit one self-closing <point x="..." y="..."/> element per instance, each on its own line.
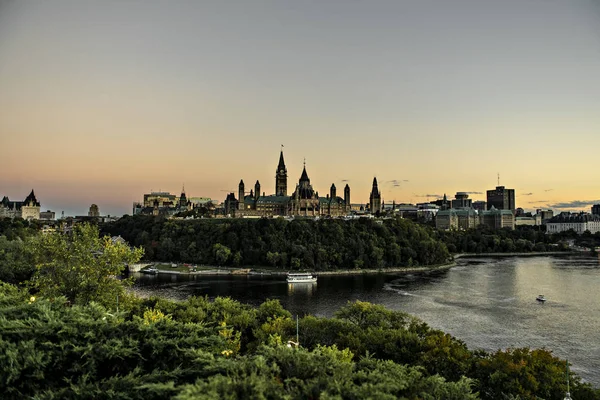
<point x="568" y="395"/>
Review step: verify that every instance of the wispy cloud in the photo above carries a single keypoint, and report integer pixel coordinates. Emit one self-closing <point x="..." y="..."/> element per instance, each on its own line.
<point x="574" y="204"/>
<point x="473" y="192"/>
<point x="427" y="195"/>
<point x="538" y="201"/>
<point x="548" y="190"/>
<point x="526" y="194"/>
<point x="345" y="180"/>
<point x="396" y="182"/>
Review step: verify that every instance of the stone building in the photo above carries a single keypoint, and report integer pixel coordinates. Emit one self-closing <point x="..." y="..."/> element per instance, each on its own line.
<point x="468" y="218"/>
<point x="579" y="222"/>
<point x="163" y="203"/>
<point x="303" y="201"/>
<point x="375" y="198"/>
<point x="26" y="209"/>
<point x="94" y="211"/>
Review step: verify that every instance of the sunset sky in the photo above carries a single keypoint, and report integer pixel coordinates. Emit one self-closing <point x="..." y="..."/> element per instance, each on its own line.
<point x="101" y="101"/>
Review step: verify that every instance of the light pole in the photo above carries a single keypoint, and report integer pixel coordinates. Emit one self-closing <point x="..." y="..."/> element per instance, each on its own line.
<point x="568" y="395"/>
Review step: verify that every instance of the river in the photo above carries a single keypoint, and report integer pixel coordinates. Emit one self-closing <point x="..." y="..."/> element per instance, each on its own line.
<point x="489" y="303"/>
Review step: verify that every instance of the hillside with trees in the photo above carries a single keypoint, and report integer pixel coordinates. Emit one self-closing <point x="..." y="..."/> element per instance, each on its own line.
<point x="321" y="245"/>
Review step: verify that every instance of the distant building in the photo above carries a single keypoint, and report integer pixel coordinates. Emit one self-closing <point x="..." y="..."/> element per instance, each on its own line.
<point x="200" y="201"/>
<point x="94" y="211"/>
<point x="303" y="200"/>
<point x="526" y="221"/>
<point x="461" y="200"/>
<point x="456" y="219"/>
<point x="427" y="211"/>
<point x="443" y="203"/>
<point x="501" y="198"/>
<point x="26" y="209"/>
<point x="579" y="222"/>
<point x="596" y="209"/>
<point x="468" y="218"/>
<point x="47" y="215"/>
<point x="162" y="203"/>
<point x="480" y="205"/>
<point x="543" y="216"/>
<point x="375" y="198"/>
<point x="497" y="219"/>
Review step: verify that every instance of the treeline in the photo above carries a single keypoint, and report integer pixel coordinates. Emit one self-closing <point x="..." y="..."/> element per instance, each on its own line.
<point x="319" y="245"/>
<point x="521" y="240"/>
<point x="157" y="349"/>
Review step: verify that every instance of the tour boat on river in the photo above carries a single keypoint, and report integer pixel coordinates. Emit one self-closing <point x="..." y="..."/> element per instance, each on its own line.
<point x="303" y="277"/>
<point x="150" y="271"/>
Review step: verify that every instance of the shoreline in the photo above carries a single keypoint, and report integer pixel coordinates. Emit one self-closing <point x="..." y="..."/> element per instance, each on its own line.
<point x="214" y="271"/>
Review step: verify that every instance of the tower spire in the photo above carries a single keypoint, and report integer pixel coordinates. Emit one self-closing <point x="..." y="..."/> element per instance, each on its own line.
<point x="281" y="176"/>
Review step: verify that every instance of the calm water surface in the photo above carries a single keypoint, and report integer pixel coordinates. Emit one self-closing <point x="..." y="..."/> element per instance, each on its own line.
<point x="488" y="303"/>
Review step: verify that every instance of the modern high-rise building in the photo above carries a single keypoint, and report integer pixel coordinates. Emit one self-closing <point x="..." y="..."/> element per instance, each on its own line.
<point x="479" y="205"/>
<point x="501" y="199"/>
<point x="461" y="200"/>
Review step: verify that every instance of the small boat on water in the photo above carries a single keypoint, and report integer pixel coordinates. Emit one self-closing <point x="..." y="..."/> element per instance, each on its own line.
<point x="305" y="277"/>
<point x="541" y="298"/>
<point x="150" y="271"/>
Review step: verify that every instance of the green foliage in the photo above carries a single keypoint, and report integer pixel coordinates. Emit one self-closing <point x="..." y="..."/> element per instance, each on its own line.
<point x="524" y="239"/>
<point x="526" y="373"/>
<point x="17" y="228"/>
<point x="16" y="265"/>
<point x="299" y="244"/>
<point x="195" y="349"/>
<point x="83" y="267"/>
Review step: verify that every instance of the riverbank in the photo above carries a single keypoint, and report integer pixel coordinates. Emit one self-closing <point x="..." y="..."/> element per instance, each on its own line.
<point x="211" y="270"/>
<point x="531" y="254"/>
<point x="167" y="268"/>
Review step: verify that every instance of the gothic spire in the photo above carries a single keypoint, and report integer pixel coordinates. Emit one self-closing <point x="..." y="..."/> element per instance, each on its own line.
<point x="281" y="165"/>
<point x="304" y="177"/>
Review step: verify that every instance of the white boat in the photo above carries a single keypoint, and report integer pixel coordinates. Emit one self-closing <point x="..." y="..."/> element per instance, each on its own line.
<point x="151" y="271"/>
<point x="303" y="277"/>
<point x="541" y="298"/>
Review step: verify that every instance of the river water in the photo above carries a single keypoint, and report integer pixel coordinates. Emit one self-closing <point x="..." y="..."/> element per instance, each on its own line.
<point x="489" y="303"/>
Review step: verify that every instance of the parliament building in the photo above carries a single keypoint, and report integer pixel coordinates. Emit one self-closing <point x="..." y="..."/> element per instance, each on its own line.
<point x="303" y="201"/>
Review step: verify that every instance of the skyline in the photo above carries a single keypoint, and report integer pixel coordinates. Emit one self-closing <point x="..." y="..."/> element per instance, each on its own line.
<point x="104" y="102"/>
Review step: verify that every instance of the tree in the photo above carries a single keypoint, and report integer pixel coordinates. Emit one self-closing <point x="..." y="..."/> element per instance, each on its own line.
<point x="222" y="253"/>
<point x="15" y="263"/>
<point x="82" y="267"/>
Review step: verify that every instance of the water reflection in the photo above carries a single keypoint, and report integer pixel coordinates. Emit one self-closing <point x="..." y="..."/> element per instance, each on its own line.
<point x="302" y="288"/>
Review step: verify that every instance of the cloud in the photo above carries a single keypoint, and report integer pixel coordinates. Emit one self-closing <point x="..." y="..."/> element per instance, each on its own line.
<point x="548" y="190"/>
<point x="345" y="180"/>
<point x="526" y="194"/>
<point x="396" y="182"/>
<point x="575" y="204"/>
<point x="538" y="201"/>
<point x="473" y="192"/>
<point x="427" y="195"/>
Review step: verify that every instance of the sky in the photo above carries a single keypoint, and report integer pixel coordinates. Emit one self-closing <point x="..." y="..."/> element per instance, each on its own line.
<point x="103" y="101"/>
